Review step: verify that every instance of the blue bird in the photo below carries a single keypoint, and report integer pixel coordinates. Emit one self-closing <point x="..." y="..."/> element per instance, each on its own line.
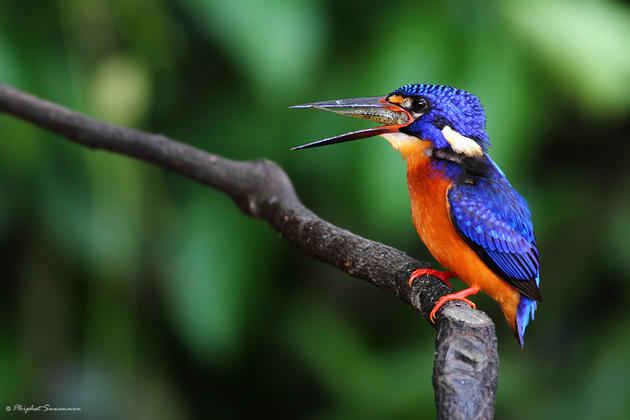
<point x="465" y="211"/>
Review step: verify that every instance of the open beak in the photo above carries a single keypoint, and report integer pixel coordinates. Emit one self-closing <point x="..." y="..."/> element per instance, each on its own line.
<point x="374" y="108"/>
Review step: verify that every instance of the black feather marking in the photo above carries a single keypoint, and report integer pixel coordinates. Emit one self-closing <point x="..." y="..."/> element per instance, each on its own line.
<point x="472" y="166"/>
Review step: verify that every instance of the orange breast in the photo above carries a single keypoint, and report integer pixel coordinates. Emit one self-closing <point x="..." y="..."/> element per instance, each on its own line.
<point x="430" y="214"/>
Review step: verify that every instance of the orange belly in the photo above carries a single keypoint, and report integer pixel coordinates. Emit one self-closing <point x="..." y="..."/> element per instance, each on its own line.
<point x="430" y="214"/>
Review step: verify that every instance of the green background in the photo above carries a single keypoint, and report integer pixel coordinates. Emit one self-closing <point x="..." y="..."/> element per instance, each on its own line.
<point x="132" y="292"/>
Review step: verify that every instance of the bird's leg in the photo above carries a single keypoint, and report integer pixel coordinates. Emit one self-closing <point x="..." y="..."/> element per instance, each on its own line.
<point x="442" y="275"/>
<point x="461" y="295"/>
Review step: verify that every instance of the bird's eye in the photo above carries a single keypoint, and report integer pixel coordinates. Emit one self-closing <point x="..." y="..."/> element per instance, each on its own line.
<point x="419" y="105"/>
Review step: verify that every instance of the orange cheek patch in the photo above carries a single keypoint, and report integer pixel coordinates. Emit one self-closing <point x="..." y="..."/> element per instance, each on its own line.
<point x="395" y="99"/>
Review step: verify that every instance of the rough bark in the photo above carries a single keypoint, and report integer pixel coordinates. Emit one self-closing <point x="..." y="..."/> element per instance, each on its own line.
<point x="466" y="362"/>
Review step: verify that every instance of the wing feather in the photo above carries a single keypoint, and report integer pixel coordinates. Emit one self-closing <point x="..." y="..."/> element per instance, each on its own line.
<point x="496" y="222"/>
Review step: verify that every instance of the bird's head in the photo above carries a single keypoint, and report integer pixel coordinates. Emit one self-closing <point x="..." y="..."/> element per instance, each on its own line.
<point x="449" y="118"/>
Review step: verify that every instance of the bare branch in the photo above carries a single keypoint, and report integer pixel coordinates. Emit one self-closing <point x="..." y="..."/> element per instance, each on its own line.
<point x="466" y="364"/>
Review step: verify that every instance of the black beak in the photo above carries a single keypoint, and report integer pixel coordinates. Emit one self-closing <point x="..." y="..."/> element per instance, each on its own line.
<point x="373" y="108"/>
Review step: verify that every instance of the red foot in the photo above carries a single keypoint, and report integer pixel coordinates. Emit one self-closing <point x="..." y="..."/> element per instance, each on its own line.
<point x="461" y="295"/>
<point x="442" y="275"/>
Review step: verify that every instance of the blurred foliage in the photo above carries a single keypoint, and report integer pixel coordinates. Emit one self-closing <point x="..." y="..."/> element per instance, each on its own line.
<point x="133" y="293"/>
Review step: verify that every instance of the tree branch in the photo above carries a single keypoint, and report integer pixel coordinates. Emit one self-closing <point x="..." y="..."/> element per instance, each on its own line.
<point x="466" y="363"/>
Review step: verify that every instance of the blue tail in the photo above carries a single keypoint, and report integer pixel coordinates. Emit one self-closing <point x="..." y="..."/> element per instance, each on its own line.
<point x="525" y="310"/>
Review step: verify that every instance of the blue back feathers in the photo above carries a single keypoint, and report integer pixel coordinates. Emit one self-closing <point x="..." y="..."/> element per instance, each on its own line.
<point x="457" y="108"/>
<point x="495" y="221"/>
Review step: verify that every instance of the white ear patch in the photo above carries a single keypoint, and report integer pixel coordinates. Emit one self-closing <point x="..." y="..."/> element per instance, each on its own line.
<point x="462" y="144"/>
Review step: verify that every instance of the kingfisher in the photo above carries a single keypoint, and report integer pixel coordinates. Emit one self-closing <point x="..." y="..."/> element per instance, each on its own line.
<point x="475" y="224"/>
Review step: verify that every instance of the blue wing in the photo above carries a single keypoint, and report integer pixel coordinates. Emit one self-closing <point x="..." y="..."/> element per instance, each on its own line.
<point x="495" y="221"/>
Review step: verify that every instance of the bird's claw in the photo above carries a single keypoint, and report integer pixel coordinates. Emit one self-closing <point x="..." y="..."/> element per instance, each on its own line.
<point x="442" y="275"/>
<point x="461" y="295"/>
<point x="441" y="302"/>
